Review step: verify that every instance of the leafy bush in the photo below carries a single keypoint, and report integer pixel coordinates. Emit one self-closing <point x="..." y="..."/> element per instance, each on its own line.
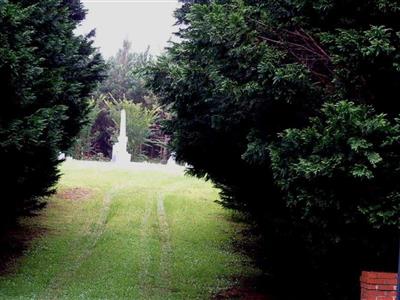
<point x="84" y="145"/>
<point x="342" y="168"/>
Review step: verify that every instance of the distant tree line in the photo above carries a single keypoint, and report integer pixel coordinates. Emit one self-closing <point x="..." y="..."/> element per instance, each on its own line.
<point x="124" y="88"/>
<point x="289" y="107"/>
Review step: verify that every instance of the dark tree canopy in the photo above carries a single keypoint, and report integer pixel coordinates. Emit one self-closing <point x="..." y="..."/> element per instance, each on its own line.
<point x="253" y="89"/>
<point x="46" y="73"/>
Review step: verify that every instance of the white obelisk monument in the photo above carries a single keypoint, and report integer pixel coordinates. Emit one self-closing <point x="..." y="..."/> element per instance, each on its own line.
<point x="120" y="155"/>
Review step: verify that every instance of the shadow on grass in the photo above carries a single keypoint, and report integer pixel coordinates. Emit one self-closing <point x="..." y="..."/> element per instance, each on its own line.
<point x="247" y="242"/>
<point x="14" y="241"/>
<point x="247" y="289"/>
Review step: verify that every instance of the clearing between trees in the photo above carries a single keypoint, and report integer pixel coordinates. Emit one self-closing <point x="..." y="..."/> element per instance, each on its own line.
<point x="143" y="232"/>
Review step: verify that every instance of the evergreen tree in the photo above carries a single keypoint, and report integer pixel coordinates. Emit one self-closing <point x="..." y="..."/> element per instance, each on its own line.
<point x="46" y="73"/>
<point x="244" y="73"/>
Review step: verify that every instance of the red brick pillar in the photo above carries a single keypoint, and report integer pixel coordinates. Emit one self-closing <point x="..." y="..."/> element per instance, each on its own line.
<point x="378" y="286"/>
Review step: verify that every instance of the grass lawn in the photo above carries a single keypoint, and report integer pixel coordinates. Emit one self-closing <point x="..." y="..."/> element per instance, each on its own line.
<point x="127" y="233"/>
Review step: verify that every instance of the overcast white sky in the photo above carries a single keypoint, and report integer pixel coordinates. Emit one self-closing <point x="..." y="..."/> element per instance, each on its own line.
<point x="143" y="22"/>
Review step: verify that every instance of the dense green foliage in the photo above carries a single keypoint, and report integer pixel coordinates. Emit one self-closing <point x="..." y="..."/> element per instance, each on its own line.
<point x="268" y="99"/>
<point x="343" y="168"/>
<point x="94" y="139"/>
<point x="46" y="72"/>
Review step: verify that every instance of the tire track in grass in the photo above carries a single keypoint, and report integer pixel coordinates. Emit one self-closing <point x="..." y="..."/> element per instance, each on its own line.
<point x="54" y="289"/>
<point x="166" y="249"/>
<point x="145" y="227"/>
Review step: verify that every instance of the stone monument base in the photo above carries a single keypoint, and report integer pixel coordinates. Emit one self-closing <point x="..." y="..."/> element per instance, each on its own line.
<point x="120" y="155"/>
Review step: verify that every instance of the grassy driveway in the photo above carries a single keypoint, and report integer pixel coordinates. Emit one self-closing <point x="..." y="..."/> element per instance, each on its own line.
<point x="143" y="232"/>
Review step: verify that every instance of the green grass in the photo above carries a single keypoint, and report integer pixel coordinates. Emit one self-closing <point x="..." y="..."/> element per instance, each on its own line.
<point x="142" y="233"/>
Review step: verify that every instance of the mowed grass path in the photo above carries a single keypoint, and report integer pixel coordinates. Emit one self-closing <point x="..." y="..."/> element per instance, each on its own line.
<point x="128" y="233"/>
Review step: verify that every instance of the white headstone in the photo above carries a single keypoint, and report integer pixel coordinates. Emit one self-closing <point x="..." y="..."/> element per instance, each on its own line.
<point x="120" y="155"/>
